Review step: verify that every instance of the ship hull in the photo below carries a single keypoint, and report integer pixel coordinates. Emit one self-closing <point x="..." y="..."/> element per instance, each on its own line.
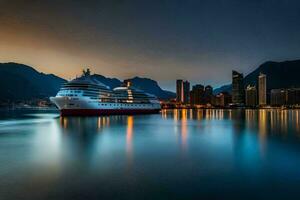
<point x="97" y="112"/>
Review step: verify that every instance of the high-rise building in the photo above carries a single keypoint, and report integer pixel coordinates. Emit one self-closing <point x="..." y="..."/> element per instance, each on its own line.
<point x="238" y="97"/>
<point x="182" y="91"/>
<point x="251" y="96"/>
<point x="278" y="97"/>
<point x="186" y="92"/>
<point x="179" y="90"/>
<point x="262" y="89"/>
<point x="197" y="95"/>
<point x="208" y="94"/>
<point x="293" y="96"/>
<point x="223" y="99"/>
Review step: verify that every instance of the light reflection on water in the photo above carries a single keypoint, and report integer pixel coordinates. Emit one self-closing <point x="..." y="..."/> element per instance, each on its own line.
<point x="150" y="156"/>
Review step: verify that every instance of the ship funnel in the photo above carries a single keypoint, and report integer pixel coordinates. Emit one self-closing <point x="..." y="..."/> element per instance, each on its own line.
<point x="127" y="83"/>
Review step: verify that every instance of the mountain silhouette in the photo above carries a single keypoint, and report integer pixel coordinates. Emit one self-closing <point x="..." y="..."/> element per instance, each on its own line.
<point x="22" y="82"/>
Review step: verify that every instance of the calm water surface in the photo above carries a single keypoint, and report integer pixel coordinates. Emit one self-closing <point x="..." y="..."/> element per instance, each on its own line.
<point x="178" y="154"/>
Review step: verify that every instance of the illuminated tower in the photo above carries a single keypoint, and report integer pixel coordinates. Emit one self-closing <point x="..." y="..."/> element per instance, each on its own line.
<point x="182" y="91"/>
<point x="251" y="96"/>
<point x="262" y="89"/>
<point x="238" y="97"/>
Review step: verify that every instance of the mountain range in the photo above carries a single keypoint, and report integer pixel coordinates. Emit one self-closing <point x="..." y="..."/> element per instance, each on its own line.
<point x="279" y="75"/>
<point x="22" y="82"/>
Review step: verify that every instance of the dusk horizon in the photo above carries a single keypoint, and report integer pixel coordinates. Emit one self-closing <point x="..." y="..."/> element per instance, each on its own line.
<point x="172" y="82"/>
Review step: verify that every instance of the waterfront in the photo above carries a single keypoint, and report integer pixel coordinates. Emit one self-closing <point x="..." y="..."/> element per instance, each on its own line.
<point x="178" y="154"/>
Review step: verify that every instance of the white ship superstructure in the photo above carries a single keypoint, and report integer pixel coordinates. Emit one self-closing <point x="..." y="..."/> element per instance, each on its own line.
<point x="87" y="96"/>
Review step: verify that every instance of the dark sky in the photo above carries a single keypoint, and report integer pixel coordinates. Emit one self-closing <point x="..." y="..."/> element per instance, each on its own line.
<point x="201" y="41"/>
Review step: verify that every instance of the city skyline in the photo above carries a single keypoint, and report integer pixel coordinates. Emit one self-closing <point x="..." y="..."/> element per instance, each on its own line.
<point x="242" y="95"/>
<point x="159" y="40"/>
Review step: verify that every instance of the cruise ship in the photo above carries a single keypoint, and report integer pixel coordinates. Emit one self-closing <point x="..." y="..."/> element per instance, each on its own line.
<point x="87" y="96"/>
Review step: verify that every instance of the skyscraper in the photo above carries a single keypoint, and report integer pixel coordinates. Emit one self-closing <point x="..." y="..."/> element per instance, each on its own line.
<point x="238" y="97"/>
<point x="293" y="96"/>
<point x="251" y="96"/>
<point x="222" y="99"/>
<point x="278" y="97"/>
<point x="262" y="89"/>
<point x="208" y="94"/>
<point x="197" y="95"/>
<point x="178" y="90"/>
<point x="182" y="91"/>
<point x="186" y="92"/>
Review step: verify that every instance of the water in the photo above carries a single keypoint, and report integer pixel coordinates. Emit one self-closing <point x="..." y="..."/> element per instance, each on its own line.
<point x="178" y="154"/>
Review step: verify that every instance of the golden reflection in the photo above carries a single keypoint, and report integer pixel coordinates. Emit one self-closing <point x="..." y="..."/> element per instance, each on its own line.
<point x="84" y="123"/>
<point x="63" y="122"/>
<point x="103" y="122"/>
<point x="262" y="127"/>
<point x="214" y="114"/>
<point x="199" y="114"/>
<point x="220" y="114"/>
<point x="184" y="128"/>
<point x="176" y="116"/>
<point x="283" y="118"/>
<point x="230" y="114"/>
<point x="297" y="121"/>
<point x="108" y="121"/>
<point x="98" y="123"/>
<point x="250" y="118"/>
<point x="129" y="135"/>
<point x="273" y="119"/>
<point x="164" y="113"/>
<point x="191" y="113"/>
<point x="207" y="113"/>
